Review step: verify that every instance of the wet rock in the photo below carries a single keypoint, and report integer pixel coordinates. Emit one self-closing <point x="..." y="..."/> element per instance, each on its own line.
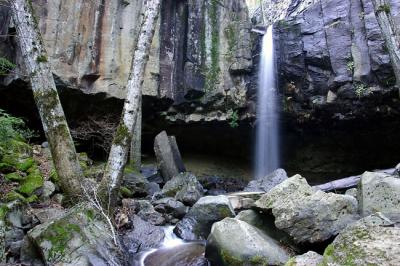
<point x="80" y="237"/>
<point x="371" y="241"/>
<point x="379" y="192"/>
<point x="234" y="242"/>
<point x="142" y="236"/>
<point x="184" y="187"/>
<point x="168" y="156"/>
<point x="266" y="183"/>
<point x="13" y="241"/>
<point x="190" y="254"/>
<point x="171" y="206"/>
<point x="310" y="258"/>
<point x="305" y="214"/>
<point x="196" y="224"/>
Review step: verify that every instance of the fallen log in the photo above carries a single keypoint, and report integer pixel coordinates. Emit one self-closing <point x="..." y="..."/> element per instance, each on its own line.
<point x="348" y="182"/>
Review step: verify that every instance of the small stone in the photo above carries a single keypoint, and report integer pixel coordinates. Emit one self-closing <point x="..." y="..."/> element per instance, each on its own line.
<point x="48" y="189"/>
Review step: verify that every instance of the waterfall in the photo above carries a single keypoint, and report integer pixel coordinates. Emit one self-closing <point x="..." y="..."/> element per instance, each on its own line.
<point x="267" y="140"/>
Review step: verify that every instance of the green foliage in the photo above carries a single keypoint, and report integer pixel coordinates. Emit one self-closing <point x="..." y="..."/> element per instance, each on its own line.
<point x="12" y="128"/>
<point x="361" y="90"/>
<point x="233" y="118"/>
<point x="5" y="66"/>
<point x="41" y="59"/>
<point x="350" y="65"/>
<point x="384" y="8"/>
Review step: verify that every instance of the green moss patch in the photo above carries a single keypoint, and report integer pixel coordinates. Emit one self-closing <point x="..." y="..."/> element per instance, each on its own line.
<point x="32" y="182"/>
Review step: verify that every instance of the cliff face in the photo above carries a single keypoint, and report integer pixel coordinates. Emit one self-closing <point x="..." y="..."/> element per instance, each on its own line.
<point x="200" y="52"/>
<point x="333" y="64"/>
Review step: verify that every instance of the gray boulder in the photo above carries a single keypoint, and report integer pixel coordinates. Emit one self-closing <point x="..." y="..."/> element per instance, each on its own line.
<point x="183" y="187"/>
<point x="196" y="224"/>
<point x="142" y="236"/>
<point x="234" y="242"/>
<point x="310" y="258"/>
<point x="266" y="183"/>
<point x="169" y="159"/>
<point x="136" y="183"/>
<point x="379" y="192"/>
<point x="144" y="209"/>
<point x="171" y="206"/>
<point x="305" y="214"/>
<point x="371" y="241"/>
<point x="80" y="237"/>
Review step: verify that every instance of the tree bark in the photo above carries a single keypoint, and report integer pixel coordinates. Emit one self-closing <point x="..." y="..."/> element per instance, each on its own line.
<point x="46" y="97"/>
<point x="118" y="156"/>
<point x="136" y="144"/>
<point x="388" y="28"/>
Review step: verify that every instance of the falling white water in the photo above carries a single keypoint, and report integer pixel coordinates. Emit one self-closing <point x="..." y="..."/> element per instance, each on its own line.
<point x="267" y="154"/>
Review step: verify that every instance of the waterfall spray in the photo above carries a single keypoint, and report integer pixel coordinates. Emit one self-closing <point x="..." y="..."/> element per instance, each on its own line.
<point x="267" y="139"/>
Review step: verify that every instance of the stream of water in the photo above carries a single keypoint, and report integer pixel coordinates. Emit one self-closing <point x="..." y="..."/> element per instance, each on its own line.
<point x="267" y="134"/>
<point x="173" y="252"/>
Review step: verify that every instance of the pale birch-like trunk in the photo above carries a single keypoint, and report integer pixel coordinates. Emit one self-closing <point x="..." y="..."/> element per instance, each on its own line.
<point x="46" y="97"/>
<point x="382" y="11"/>
<point x="136" y="144"/>
<point x="118" y="156"/>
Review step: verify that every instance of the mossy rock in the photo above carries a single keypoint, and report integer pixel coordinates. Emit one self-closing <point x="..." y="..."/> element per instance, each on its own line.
<point x="32" y="182"/>
<point x="126" y="192"/>
<point x="73" y="237"/>
<point x="14" y="195"/>
<point x="26" y="164"/>
<point x="15" y="177"/>
<point x="370" y="241"/>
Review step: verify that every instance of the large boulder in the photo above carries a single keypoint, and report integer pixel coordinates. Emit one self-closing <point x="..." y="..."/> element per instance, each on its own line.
<point x="234" y="242"/>
<point x="142" y="236"/>
<point x="379" y="192"/>
<point x="183" y="187"/>
<point x="373" y="240"/>
<point x="266" y="183"/>
<point x="305" y="214"/>
<point x="80" y="237"/>
<point x="168" y="156"/>
<point x="310" y="258"/>
<point x="196" y="225"/>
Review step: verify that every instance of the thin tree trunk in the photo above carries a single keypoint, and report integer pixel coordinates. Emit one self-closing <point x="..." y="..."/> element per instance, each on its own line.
<point x="136" y="145"/>
<point x="46" y="97"/>
<point x="118" y="156"/>
<point x="382" y="11"/>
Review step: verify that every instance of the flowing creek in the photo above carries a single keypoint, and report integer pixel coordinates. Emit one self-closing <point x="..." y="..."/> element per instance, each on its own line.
<point x="173" y="252"/>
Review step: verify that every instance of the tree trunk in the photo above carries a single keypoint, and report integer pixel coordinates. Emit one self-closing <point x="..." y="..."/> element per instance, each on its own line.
<point x="136" y="145"/>
<point x="388" y="28"/>
<point x="118" y="156"/>
<point x="46" y="97"/>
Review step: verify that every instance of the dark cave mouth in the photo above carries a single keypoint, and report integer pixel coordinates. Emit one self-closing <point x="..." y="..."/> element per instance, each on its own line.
<point x="318" y="153"/>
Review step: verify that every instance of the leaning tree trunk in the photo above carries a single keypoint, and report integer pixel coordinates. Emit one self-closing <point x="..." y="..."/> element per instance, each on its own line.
<point x="388" y="28"/>
<point x="46" y="97"/>
<point x="117" y="159"/>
